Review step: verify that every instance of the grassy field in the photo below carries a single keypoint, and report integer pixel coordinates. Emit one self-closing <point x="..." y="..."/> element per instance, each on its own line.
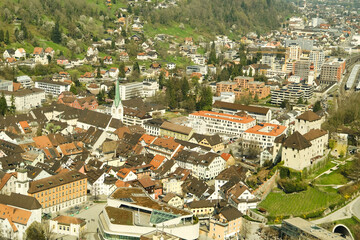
<point x="332" y="178"/>
<point x="279" y="204"/>
<point x="322" y="169"/>
<point x="174" y="30"/>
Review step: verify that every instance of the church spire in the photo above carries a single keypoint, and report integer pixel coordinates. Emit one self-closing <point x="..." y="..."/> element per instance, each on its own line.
<point x="117" y="94"/>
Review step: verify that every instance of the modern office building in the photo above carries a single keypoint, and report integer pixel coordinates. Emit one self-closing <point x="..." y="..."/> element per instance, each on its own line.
<point x="53" y="88"/>
<point x="131" y="212"/>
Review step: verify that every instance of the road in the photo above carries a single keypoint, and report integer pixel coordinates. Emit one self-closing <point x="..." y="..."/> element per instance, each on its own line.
<point x="92" y="215"/>
<point x="353" y="208"/>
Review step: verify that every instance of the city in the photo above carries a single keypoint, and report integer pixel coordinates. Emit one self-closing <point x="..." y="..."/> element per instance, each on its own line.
<point x="129" y="119"/>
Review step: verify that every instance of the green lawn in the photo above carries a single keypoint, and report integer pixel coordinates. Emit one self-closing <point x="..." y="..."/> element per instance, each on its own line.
<point x="332" y="178"/>
<point x="174" y="30"/>
<point x="322" y="169"/>
<point x="279" y="204"/>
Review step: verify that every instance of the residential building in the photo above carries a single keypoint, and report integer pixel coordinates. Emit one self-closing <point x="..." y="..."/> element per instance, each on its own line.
<point x="292" y="92"/>
<point x="317" y="58"/>
<point x="60" y="191"/>
<point x="131" y="212"/>
<point x="6" y="85"/>
<point x="67" y="225"/>
<point x="225" y="224"/>
<point x="262" y="135"/>
<point x="212" y="141"/>
<point x="50" y="87"/>
<point x="331" y="71"/>
<point x="261" y="114"/>
<point x="20" y="53"/>
<point x="152" y="126"/>
<point x="173" y="200"/>
<point x="169" y="129"/>
<point x="25" y="81"/>
<point x="302" y="68"/>
<point x="206" y="122"/>
<point x="25" y="99"/>
<point x="294" y="52"/>
<point x="203" y="166"/>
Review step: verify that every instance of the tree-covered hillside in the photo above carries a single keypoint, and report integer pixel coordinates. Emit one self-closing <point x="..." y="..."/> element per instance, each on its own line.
<point x="221" y="16"/>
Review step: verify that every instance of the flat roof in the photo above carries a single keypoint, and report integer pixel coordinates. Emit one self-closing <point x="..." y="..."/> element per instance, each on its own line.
<point x="224" y="116"/>
<point x="267" y="129"/>
<point x="312" y="229"/>
<point x="138" y="196"/>
<point x="119" y="216"/>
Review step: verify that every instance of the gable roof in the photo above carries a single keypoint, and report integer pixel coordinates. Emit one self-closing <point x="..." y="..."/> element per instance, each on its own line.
<point x="176" y="128"/>
<point x="314" y="133"/>
<point x="20" y="201"/>
<point x="67" y="220"/>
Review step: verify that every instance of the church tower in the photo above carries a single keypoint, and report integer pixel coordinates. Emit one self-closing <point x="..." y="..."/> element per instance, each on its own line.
<point x="117" y="109"/>
<point x="22" y="183"/>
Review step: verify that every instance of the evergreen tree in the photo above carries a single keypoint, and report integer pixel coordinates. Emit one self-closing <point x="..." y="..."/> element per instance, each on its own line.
<point x="317" y="106"/>
<point x="256" y="98"/>
<point x="2" y="35"/>
<point x="56" y="33"/>
<point x="250" y="72"/>
<point x="123" y="33"/>
<point x="3" y="105"/>
<point x="73" y="89"/>
<point x="122" y="70"/>
<point x="212" y="56"/>
<point x="136" y="67"/>
<point x="111" y="93"/>
<point x="162" y="81"/>
<point x="185" y="87"/>
<point x="205" y="102"/>
<point x="7" y="37"/>
<point x="12" y="108"/>
<point x="98" y="73"/>
<point x="300" y="100"/>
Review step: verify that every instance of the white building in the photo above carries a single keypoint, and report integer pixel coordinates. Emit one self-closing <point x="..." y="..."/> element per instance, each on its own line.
<point x="25" y="99"/>
<point x="203" y="166"/>
<point x="301" y="151"/>
<point x="20" y="53"/>
<point x="25" y="81"/>
<point x="150" y="87"/>
<point x="262" y="135"/>
<point x="6" y="85"/>
<point x="261" y="114"/>
<point x="18" y="212"/>
<point x="206" y="122"/>
<point x="131" y="212"/>
<point x="131" y="90"/>
<point x="66" y="225"/>
<point x="307" y="121"/>
<point x="54" y="88"/>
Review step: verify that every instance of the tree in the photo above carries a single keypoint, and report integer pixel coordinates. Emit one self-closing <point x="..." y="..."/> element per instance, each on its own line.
<point x="123" y="33"/>
<point x="256" y="98"/>
<point x="284" y="104"/>
<point x="185" y="87"/>
<point x="7" y="37"/>
<point x="136" y="67"/>
<point x="111" y="93"/>
<point x="212" y="56"/>
<point x="73" y="89"/>
<point x="101" y="97"/>
<point x="317" y="106"/>
<point x="2" y="37"/>
<point x="3" y="105"/>
<point x="122" y="70"/>
<point x="35" y="232"/>
<point x="12" y="108"/>
<point x="250" y="72"/>
<point x="205" y="102"/>
<point x="162" y="81"/>
<point x="300" y="100"/>
<point x="56" y="33"/>
<point x="98" y="73"/>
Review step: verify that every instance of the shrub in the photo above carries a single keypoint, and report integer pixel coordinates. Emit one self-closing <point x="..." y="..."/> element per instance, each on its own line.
<point x="290" y="185"/>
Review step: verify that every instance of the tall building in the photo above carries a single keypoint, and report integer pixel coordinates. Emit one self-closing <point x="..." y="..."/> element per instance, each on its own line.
<point x="302" y="69"/>
<point x="117" y="109"/>
<point x="317" y="57"/>
<point x="332" y="71"/>
<point x="294" y="52"/>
